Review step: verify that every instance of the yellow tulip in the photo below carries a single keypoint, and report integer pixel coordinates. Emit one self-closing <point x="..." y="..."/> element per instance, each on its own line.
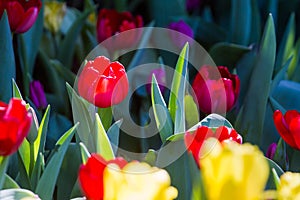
<point x="232" y="171"/>
<point x="137" y="181"/>
<point x="53" y="15"/>
<point x="289" y="188"/>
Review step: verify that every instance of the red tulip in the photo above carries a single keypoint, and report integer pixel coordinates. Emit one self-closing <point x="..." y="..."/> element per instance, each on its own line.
<point x="216" y="90"/>
<point x="91" y="175"/>
<point x="15" y="123"/>
<point x="21" y="13"/>
<point x="103" y="83"/>
<point x="111" y="22"/>
<point x="288" y="127"/>
<point x="194" y="141"/>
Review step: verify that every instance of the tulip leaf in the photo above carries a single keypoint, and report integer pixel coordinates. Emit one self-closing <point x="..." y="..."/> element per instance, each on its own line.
<point x="39" y="143"/>
<point x="273" y="166"/>
<point x="250" y="119"/>
<point x="23" y="177"/>
<point x="37" y="170"/>
<point x="24" y="151"/>
<point x="280" y="75"/>
<point x="276" y="178"/>
<point x="255" y="23"/>
<point x="276" y="106"/>
<point x="28" y="47"/>
<point x="16" y="91"/>
<point x="81" y="114"/>
<point x="212" y="121"/>
<point x="113" y="134"/>
<point x="105" y="116"/>
<point x="3" y="168"/>
<point x="161" y="113"/>
<point x="85" y="154"/>
<point x="287" y="44"/>
<point x="67" y="47"/>
<point x="47" y="182"/>
<point x="9" y="183"/>
<point x="233" y="54"/>
<point x="101" y="141"/>
<point x="280" y="156"/>
<point x="63" y="72"/>
<point x="241" y="15"/>
<point x="7" y="57"/>
<point x="287" y="93"/>
<point x="18" y="194"/>
<point x="68" y="172"/>
<point x="191" y="111"/>
<point x="176" y="101"/>
<point x="295" y="161"/>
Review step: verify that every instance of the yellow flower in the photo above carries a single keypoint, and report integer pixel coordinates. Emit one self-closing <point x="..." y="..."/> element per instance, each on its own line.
<point x="137" y="181"/>
<point x="53" y="15"/>
<point x="233" y="171"/>
<point x="289" y="188"/>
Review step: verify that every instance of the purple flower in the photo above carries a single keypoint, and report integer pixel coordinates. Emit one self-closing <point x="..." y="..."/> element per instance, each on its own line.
<point x="178" y="39"/>
<point x="37" y="94"/>
<point x="271" y="151"/>
<point x="192" y="4"/>
<point x="160" y="76"/>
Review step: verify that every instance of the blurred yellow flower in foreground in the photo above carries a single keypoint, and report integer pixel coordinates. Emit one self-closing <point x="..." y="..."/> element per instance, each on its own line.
<point x="232" y="171"/>
<point x="137" y="181"/>
<point x="53" y="15"/>
<point x="289" y="188"/>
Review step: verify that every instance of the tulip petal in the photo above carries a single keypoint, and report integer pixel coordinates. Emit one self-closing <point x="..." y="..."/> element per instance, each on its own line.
<point x="282" y="128"/>
<point x="294" y="127"/>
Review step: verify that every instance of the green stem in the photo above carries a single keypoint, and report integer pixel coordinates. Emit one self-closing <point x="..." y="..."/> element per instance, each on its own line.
<point x="32" y="161"/>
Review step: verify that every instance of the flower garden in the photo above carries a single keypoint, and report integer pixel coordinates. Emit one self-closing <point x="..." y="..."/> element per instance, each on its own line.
<point x="149" y="100"/>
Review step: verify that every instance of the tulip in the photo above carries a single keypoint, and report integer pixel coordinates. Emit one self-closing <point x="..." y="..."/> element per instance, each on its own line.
<point x="102" y="82"/>
<point x="183" y="28"/>
<point x="137" y="181"/>
<point x="111" y="23"/>
<point x="21" y="13"/>
<point x="194" y="141"/>
<point x="216" y="91"/>
<point x="289" y="187"/>
<point x="15" y="122"/>
<point x="54" y="14"/>
<point x="288" y="127"/>
<point x="231" y="171"/>
<point x="271" y="151"/>
<point x="160" y="75"/>
<point x="37" y="94"/>
<point x="91" y="175"/>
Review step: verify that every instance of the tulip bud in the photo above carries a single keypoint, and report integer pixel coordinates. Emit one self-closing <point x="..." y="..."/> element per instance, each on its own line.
<point x="184" y="28"/>
<point x="271" y="151"/>
<point x="21" y="14"/>
<point x="33" y="132"/>
<point x="103" y="83"/>
<point x="37" y="94"/>
<point x="53" y="15"/>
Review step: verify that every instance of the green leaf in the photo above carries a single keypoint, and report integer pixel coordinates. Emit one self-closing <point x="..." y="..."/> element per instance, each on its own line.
<point x="37" y="171"/>
<point x="255" y="23"/>
<point x="67" y="47"/>
<point x="191" y="111"/>
<point x="66" y="74"/>
<point x="161" y="113"/>
<point x="3" y="168"/>
<point x="81" y="114"/>
<point x="85" y="154"/>
<point x="101" y="140"/>
<point x="273" y="166"/>
<point x="7" y="57"/>
<point x="233" y="54"/>
<point x="280" y="156"/>
<point x="68" y="172"/>
<point x="18" y="194"/>
<point x="287" y="44"/>
<point x="9" y="183"/>
<point x="28" y="47"/>
<point x="24" y="152"/>
<point x="39" y="143"/>
<point x="241" y="15"/>
<point x="113" y="134"/>
<point x="47" y="182"/>
<point x="23" y="177"/>
<point x="16" y="91"/>
<point x="251" y="116"/>
<point x="150" y="157"/>
<point x="176" y="101"/>
<point x="105" y="116"/>
<point x="212" y="121"/>
<point x="276" y="178"/>
<point x="280" y="75"/>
